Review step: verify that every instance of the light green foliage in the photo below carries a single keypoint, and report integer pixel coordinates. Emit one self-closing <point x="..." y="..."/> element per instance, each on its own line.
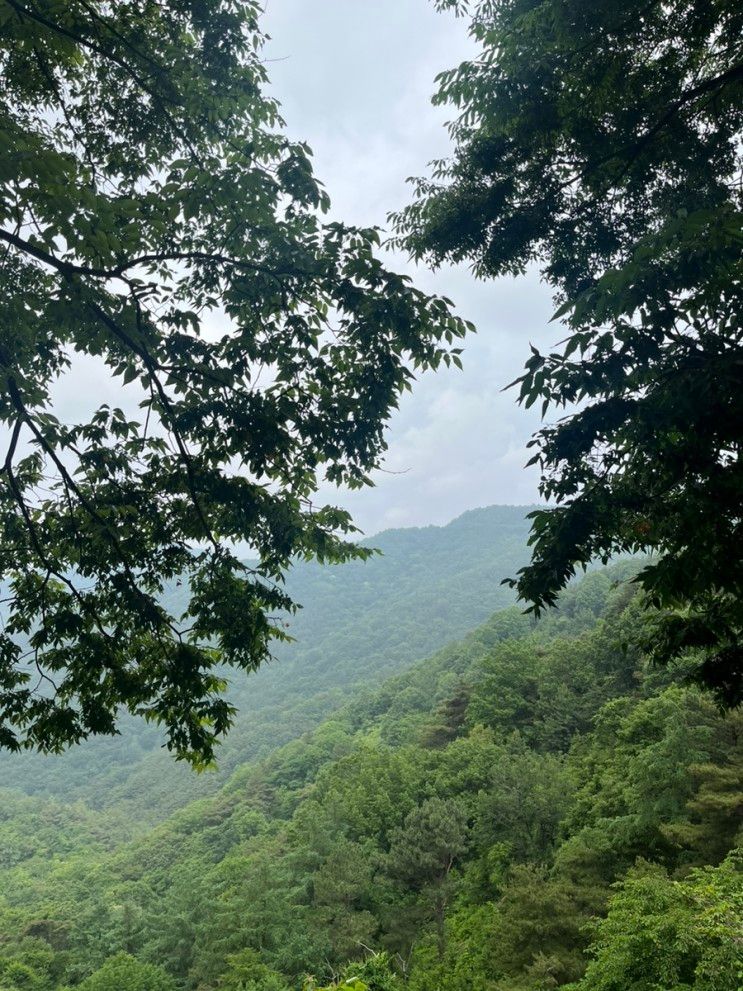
<point x="601" y="142"/>
<point x="665" y="935"/>
<point x="35" y="831"/>
<point x="158" y="226"/>
<point x="715" y="813"/>
<point x="525" y="798"/>
<point x="639" y="783"/>
<point x="245" y="972"/>
<point x="352" y="984"/>
<point x="123" y="973"/>
<point x="29" y="965"/>
<point x="375" y="973"/>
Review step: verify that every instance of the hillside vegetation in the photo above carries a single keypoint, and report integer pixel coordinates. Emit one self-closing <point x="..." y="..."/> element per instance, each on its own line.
<point x="360" y="623"/>
<point x="533" y="807"/>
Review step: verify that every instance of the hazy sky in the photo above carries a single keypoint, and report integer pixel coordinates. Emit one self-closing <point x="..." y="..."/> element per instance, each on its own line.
<point x="355" y="79"/>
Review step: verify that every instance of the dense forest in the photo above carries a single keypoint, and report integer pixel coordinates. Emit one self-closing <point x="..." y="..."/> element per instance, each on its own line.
<point x="533" y="806"/>
<point x="243" y="749"/>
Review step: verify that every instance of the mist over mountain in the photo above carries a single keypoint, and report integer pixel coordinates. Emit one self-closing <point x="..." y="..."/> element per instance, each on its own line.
<point x="360" y="623"/>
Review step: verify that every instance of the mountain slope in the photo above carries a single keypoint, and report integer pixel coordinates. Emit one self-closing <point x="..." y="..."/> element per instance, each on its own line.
<point x="468" y="818"/>
<point x="360" y="623"/>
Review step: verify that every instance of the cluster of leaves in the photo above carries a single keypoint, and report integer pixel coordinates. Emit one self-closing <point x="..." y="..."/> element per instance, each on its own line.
<point x="160" y="232"/>
<point x="602" y="143"/>
<point x="414" y="843"/>
<point x="694" y="923"/>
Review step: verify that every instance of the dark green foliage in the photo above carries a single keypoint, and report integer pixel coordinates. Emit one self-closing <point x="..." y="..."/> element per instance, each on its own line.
<point x="449" y="719"/>
<point x="160" y="231"/>
<point x="602" y="143"/>
<point x="424" y="851"/>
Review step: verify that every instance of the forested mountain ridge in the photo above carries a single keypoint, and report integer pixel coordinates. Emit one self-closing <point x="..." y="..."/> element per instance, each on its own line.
<point x="420" y="794"/>
<point x="456" y="829"/>
<point x="361" y="622"/>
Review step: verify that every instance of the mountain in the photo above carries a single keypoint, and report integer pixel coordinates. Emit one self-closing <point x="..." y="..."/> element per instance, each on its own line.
<point x="361" y="623"/>
<point x="534" y="806"/>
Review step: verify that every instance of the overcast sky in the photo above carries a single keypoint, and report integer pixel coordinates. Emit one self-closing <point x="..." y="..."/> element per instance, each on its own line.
<point x="355" y="79"/>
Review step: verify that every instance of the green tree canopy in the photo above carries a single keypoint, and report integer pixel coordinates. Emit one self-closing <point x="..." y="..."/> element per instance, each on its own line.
<point x="159" y="230"/>
<point x="601" y="143"/>
<point x="423" y="852"/>
<point x="124" y="973"/>
<point x="246" y="972"/>
<point x="670" y="934"/>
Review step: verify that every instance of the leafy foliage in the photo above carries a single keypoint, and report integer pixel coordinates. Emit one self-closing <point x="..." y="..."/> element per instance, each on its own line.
<point x="160" y="231"/>
<point x="123" y="973"/>
<point x="423" y="852"/>
<point x="602" y="143"/>
<point x="661" y="933"/>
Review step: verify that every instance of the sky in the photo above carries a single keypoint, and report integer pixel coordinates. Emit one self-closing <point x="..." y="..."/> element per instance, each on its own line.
<point x="355" y="80"/>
